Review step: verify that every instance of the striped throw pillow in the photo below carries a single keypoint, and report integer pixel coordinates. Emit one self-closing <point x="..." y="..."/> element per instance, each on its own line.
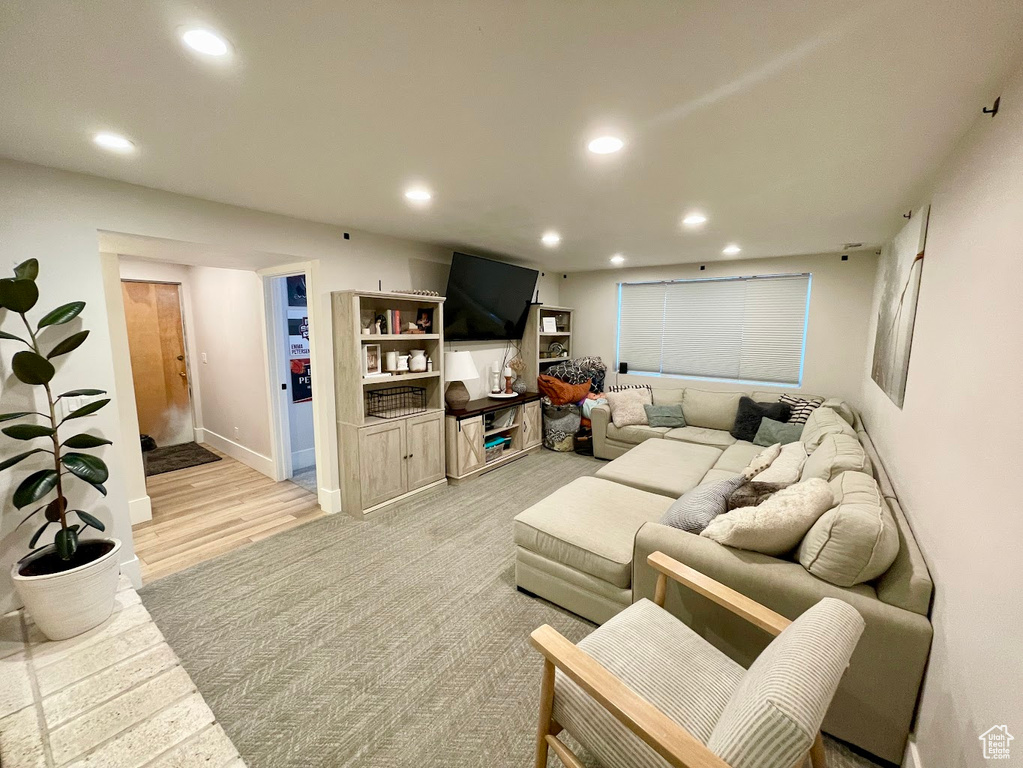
<point x="801" y="407"/>
<point x="623" y="387"/>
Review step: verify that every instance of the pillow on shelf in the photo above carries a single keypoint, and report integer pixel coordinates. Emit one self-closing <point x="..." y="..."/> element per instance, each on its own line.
<point x="787" y="467"/>
<point x="695" y="508"/>
<point x="762" y="461"/>
<point x="801" y="407"/>
<point x="770" y="432"/>
<point x="855" y="541"/>
<point x="750" y="413"/>
<point x="777" y="525"/>
<point x="664" y="415"/>
<point x="627" y="406"/>
<point x="561" y="392"/>
<point x="753" y="494"/>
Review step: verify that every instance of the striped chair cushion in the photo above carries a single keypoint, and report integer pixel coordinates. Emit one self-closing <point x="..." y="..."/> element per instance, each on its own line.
<point x="777" y="709"/>
<point x="801" y="407"/>
<point x="663" y="661"/>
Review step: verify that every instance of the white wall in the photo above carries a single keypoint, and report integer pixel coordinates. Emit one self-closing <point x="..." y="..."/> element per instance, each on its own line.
<point x="955" y="449"/>
<point x="840" y="299"/>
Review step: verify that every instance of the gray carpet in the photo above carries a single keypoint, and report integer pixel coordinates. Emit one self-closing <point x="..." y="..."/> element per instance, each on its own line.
<point x="172" y="457"/>
<point x="400" y="641"/>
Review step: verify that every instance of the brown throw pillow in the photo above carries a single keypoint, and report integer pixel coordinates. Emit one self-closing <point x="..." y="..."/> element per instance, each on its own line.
<point x="753" y="494"/>
<point x="561" y="392"/>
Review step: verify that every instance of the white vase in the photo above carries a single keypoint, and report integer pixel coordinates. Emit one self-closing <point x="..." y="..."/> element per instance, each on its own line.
<point x="68" y="603"/>
<point x="417" y="363"/>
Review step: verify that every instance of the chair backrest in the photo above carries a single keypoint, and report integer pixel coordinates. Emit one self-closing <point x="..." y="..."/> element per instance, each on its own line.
<point x="775" y="712"/>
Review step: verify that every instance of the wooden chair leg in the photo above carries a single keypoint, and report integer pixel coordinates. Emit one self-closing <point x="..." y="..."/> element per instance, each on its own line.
<point x="660" y="589"/>
<point x="546" y="706"/>
<point x="817" y="758"/>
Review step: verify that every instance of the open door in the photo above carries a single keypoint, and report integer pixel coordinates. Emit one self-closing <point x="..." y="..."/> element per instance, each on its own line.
<point x="156" y="344"/>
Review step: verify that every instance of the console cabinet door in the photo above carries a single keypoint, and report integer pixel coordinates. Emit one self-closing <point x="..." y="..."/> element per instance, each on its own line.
<point x="424" y="441"/>
<point x="532" y="425"/>
<point x="469" y="445"/>
<point x="382" y="464"/>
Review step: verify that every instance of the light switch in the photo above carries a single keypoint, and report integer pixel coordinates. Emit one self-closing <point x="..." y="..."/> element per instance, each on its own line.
<point x="204" y="358"/>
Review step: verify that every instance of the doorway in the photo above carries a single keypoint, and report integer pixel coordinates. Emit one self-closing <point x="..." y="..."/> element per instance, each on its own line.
<point x="159" y="367"/>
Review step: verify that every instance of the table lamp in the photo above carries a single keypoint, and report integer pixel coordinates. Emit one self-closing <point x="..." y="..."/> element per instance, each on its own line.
<point x="458" y="368"/>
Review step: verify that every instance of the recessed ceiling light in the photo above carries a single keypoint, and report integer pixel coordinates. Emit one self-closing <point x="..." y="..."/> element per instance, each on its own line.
<point x="605" y="145"/>
<point x="418" y="195"/>
<point x="114" y="142"/>
<point x="550" y="239"/>
<point x="205" y="42"/>
<point x="731" y="250"/>
<point x="617" y="259"/>
<point x="693" y="220"/>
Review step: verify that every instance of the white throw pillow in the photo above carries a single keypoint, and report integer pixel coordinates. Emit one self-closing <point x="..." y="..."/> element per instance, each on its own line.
<point x="787" y="467"/>
<point x="627" y="406"/>
<point x="778" y="524"/>
<point x="762" y="461"/>
<point x="857" y="540"/>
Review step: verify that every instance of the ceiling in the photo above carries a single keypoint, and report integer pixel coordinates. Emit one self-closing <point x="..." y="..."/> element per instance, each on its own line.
<point x="795" y="125"/>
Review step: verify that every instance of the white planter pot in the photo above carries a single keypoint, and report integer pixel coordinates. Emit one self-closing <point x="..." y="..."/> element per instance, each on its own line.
<point x="68" y="603"/>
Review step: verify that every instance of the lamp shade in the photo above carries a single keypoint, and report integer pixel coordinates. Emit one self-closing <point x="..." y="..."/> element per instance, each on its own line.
<point x="458" y="366"/>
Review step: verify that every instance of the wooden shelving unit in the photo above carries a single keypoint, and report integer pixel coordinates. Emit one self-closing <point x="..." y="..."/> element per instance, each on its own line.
<point x="536" y="341"/>
<point x="384" y="460"/>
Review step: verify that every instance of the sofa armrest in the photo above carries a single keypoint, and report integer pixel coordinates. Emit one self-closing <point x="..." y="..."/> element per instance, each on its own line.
<point x="599" y="418"/>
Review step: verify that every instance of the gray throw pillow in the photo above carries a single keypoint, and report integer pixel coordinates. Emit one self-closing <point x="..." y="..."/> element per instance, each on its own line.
<point x="664" y="415"/>
<point x="772" y="432"/>
<point x="694" y="509"/>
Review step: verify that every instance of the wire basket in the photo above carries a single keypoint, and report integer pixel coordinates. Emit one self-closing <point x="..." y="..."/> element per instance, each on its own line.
<point x="395" y="402"/>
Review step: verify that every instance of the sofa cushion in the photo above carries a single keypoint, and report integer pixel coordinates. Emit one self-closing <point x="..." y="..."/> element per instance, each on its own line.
<point x="634" y="433"/>
<point x="777" y="525"/>
<point x="822" y="422"/>
<point x="787" y="467"/>
<point x="668" y="396"/>
<point x="702" y="436"/>
<point x="667" y="467"/>
<point x="836" y="454"/>
<point x="771" y="432"/>
<point x="713" y="410"/>
<point x="856" y="540"/>
<point x="694" y="509"/>
<point x="627" y="406"/>
<point x="664" y="416"/>
<point x="736" y="457"/>
<point x="590" y="525"/>
<point x="750" y="413"/>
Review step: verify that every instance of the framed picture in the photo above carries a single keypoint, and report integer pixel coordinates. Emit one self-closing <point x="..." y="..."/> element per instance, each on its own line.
<point x="550" y="325"/>
<point x="424" y="319"/>
<point x="371" y="360"/>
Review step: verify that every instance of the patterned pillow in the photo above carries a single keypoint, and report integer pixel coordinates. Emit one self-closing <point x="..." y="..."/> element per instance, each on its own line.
<point x="625" y="387"/>
<point x="696" y="508"/>
<point x="801" y="407"/>
<point x="627" y="407"/>
<point x="762" y="461"/>
<point x="753" y="494"/>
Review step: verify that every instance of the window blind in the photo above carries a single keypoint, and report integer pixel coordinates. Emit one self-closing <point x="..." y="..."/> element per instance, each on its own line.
<point x="747" y="329"/>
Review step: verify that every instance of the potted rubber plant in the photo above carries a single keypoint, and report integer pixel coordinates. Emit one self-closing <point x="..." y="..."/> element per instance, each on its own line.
<point x="67" y="586"/>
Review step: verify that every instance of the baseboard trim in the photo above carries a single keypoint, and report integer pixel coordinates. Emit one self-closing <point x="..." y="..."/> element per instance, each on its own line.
<point x="330" y="500"/>
<point x="912" y="757"/>
<point x="303" y="459"/>
<point x="140" y="510"/>
<point x="133" y="571"/>
<point x="199" y="434"/>
<point x="246" y="456"/>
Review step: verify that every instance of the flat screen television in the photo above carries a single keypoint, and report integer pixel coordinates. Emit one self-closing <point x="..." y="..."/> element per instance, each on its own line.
<point x="486" y="300"/>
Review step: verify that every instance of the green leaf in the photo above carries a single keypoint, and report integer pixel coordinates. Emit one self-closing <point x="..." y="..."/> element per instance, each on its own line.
<point x="92" y="469"/>
<point x="53" y="509"/>
<point x="34" y="487"/>
<point x="82" y="393"/>
<point x="20" y="457"/>
<point x="25" y="519"/>
<point x="32" y="368"/>
<point x="72" y="342"/>
<point x="62" y="314"/>
<point x="27" y="431"/>
<point x="86" y="441"/>
<point x="36" y="535"/>
<point x="85" y="410"/>
<point x="18" y="294"/>
<point x="66" y="542"/>
<point x="28" y="269"/>
<point x="12" y="337"/>
<point x="90" y="520"/>
<point x="100" y="487"/>
<point x="14" y="415"/>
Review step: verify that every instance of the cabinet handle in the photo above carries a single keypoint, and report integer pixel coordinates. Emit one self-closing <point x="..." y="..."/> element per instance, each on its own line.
<point x="409" y="456"/>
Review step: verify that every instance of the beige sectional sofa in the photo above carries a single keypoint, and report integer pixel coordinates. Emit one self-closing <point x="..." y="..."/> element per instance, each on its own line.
<point x="585" y="547"/>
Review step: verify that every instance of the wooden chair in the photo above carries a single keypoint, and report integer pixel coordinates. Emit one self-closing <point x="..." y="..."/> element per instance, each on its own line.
<point x="644" y="691"/>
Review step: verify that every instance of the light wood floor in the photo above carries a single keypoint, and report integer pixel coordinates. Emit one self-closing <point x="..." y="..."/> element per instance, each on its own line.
<point x="205" y="511"/>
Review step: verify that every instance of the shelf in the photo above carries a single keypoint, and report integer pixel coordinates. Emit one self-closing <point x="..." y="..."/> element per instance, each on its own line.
<point x="369" y="421"/>
<point x="401" y="377"/>
<point x="490" y="432"/>
<point x="371" y="337"/>
<point x="545" y="360"/>
<point x="559" y="333"/>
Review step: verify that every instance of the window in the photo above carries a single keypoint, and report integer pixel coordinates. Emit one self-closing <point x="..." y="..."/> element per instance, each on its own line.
<point x="750" y="329"/>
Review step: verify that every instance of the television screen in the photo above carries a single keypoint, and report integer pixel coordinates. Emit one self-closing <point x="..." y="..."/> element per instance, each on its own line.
<point x="486" y="300"/>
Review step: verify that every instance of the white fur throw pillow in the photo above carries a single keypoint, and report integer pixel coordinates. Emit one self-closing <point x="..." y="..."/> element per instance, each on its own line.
<point x="777" y="525"/>
<point x="762" y="461"/>
<point x="787" y="467"/>
<point x="627" y="406"/>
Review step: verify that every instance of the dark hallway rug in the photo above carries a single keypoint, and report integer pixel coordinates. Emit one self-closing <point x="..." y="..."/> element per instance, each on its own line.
<point x="391" y="642"/>
<point x="172" y="457"/>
